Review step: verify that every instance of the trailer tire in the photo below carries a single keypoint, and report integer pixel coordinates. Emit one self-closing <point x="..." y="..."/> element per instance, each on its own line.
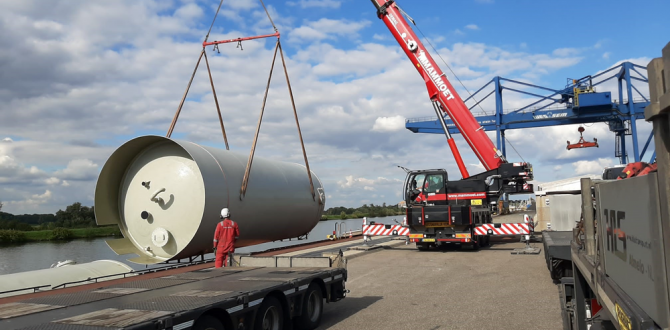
<point x="270" y="315"/>
<point x="208" y="322"/>
<point x="312" y="309"/>
<point x="422" y="247"/>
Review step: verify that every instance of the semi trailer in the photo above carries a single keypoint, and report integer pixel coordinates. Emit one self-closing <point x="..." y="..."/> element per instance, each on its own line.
<point x="613" y="268"/>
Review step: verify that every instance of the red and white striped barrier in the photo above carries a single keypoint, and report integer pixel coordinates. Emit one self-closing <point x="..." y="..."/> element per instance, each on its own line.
<point x="503" y="229"/>
<point x="385" y="230"/>
<point x="500" y="229"/>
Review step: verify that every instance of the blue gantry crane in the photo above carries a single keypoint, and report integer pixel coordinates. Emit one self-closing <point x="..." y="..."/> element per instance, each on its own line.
<point x="577" y="103"/>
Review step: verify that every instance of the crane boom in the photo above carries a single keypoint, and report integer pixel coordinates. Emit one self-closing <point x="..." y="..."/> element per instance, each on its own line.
<point x="440" y="90"/>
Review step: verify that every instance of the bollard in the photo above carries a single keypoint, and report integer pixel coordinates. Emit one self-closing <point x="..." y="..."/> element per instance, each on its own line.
<point x="365" y="237"/>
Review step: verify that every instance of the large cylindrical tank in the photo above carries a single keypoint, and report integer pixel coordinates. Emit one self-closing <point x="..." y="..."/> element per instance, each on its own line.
<point x="166" y="196"/>
<point x="59" y="275"/>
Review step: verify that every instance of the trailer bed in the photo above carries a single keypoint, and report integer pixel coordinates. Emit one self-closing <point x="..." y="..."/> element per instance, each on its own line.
<point x="173" y="301"/>
<point x="557" y="253"/>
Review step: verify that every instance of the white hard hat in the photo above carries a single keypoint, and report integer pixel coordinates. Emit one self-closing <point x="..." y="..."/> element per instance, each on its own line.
<point x="225" y="213"/>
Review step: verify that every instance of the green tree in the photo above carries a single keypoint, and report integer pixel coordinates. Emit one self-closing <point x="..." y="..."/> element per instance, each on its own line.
<point x="75" y="216"/>
<point x="343" y="215"/>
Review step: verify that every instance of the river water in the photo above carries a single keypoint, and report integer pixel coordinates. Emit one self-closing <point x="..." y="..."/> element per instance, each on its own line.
<point x="41" y="255"/>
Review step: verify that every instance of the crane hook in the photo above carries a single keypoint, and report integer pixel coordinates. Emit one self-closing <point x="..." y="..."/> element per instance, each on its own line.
<point x="239" y="45"/>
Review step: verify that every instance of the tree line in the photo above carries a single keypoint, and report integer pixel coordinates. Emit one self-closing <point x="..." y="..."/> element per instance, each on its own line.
<point x="74" y="216"/>
<point x="371" y="211"/>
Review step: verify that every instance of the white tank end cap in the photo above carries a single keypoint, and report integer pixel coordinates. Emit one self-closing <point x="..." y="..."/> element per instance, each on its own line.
<point x="160" y="237"/>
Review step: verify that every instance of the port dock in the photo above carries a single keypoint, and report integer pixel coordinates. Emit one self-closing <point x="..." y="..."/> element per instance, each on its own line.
<point x="392" y="286"/>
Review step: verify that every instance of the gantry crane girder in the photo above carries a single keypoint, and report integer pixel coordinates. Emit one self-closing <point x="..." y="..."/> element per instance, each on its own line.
<point x="560" y="107"/>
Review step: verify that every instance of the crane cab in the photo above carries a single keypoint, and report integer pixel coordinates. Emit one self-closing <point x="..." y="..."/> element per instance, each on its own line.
<point x="426" y="187"/>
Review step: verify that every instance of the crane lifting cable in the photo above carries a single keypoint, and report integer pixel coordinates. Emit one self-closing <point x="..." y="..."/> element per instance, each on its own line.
<point x="216" y="43"/>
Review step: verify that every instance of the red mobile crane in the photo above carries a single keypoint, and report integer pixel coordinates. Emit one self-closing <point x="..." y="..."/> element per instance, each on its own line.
<point x="441" y="211"/>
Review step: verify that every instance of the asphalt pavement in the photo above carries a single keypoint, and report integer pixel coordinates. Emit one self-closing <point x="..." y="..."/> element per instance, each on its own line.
<point x="403" y="288"/>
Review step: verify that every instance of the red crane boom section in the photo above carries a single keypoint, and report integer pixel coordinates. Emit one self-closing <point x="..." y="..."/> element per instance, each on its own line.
<point x="439" y="88"/>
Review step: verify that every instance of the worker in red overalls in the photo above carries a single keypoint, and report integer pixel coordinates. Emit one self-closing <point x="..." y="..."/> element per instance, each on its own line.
<point x="227" y="232"/>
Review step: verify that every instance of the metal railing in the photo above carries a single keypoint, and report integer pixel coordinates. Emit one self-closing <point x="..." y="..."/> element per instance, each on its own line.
<point x="34" y="288"/>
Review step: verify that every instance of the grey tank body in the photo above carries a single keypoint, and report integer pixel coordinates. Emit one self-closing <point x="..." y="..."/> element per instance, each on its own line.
<point x="166" y="196"/>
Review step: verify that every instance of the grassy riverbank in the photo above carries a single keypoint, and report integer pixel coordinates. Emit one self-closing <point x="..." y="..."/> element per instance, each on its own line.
<point x="58" y="234"/>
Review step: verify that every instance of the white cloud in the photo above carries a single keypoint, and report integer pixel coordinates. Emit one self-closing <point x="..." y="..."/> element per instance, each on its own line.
<point x="52" y="181"/>
<point x="81" y="79"/>
<point x="13" y="172"/>
<point x="606" y="55"/>
<point x="79" y="169"/>
<point x="315" y="3"/>
<point x="31" y="202"/>
<point x="326" y="28"/>
<point x="566" y="52"/>
<point x="472" y="27"/>
<point x="389" y="124"/>
<point x="7" y="139"/>
<point x="591" y="166"/>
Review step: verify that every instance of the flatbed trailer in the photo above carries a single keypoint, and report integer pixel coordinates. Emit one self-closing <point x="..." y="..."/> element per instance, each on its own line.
<point x="260" y="293"/>
<point x="619" y="258"/>
<point x="557" y="253"/>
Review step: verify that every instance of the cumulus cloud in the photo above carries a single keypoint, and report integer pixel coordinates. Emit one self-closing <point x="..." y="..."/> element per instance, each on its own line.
<point x="80" y="78"/>
<point x="32" y="201"/>
<point x="13" y="172"/>
<point x="591" y="166"/>
<point x="389" y="124"/>
<point x="326" y="28"/>
<point x="52" y="180"/>
<point x="79" y="169"/>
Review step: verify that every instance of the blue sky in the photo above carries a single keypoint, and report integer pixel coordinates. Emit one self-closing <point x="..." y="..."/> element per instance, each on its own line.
<point x="80" y="78"/>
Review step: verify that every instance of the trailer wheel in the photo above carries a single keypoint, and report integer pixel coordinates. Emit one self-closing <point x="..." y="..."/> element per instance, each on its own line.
<point x="312" y="308"/>
<point x="422" y="247"/>
<point x="208" y="322"/>
<point x="270" y="315"/>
